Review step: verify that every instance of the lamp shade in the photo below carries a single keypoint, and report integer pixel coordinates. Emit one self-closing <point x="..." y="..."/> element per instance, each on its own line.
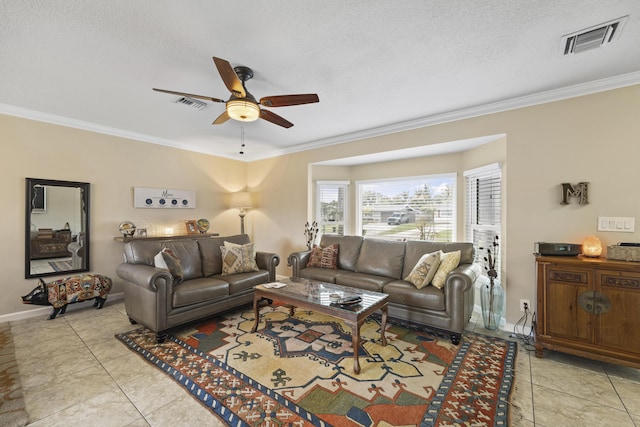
<point x="243" y="110"/>
<point x="241" y="200"/>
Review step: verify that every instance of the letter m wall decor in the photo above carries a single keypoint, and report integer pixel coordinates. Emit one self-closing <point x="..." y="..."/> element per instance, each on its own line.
<point x="580" y="190"/>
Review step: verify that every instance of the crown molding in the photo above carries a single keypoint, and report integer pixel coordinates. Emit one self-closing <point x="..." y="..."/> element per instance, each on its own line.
<point x="554" y="95"/>
<point x="574" y="91"/>
<point x="39" y="116"/>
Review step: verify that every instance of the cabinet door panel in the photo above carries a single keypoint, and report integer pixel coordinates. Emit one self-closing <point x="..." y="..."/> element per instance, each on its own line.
<point x="564" y="318"/>
<point x="618" y="328"/>
<point x="589" y="307"/>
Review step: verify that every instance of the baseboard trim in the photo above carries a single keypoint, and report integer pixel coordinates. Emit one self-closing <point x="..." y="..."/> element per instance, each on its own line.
<point x="46" y="310"/>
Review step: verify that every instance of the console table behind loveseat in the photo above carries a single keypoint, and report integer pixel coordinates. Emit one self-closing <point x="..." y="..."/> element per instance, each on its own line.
<point x="173" y="237"/>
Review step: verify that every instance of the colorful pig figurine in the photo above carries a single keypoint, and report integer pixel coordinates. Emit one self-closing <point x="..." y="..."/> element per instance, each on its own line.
<point x="60" y="293"/>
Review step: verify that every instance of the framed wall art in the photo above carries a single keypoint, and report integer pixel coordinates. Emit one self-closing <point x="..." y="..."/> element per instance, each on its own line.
<point x="163" y="198"/>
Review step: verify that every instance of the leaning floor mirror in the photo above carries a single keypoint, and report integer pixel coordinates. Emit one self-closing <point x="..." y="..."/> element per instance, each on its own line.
<point x="56" y="227"/>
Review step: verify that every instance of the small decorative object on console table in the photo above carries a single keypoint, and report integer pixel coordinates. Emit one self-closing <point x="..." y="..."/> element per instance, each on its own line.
<point x="127" y="228"/>
<point x="203" y="225"/>
<point x="492" y="294"/>
<point x="191" y="226"/>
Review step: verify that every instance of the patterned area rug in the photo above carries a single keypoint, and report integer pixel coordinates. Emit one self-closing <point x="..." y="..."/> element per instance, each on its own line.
<point x="299" y="371"/>
<point x="61" y="265"/>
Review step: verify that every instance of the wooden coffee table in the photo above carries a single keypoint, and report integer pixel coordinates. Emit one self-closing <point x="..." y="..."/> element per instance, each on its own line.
<point x="314" y="296"/>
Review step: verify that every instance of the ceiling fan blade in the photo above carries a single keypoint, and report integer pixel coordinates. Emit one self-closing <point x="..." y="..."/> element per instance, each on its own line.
<point x="190" y="95"/>
<point x="275" y="119"/>
<point x="285" y="100"/>
<point x="221" y="118"/>
<point x="229" y="77"/>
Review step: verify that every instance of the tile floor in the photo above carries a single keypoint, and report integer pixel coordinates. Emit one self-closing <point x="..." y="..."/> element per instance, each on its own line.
<point x="74" y="373"/>
<point x="42" y="266"/>
<point x="566" y="390"/>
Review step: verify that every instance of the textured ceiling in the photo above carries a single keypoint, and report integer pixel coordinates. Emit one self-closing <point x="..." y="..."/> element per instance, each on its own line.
<point x="377" y="66"/>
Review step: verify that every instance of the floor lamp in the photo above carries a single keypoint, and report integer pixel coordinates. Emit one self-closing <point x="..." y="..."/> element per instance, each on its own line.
<point x="241" y="200"/>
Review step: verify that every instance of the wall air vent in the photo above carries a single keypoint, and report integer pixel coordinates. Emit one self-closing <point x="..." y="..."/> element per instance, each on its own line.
<point x="194" y="103"/>
<point x="593" y="37"/>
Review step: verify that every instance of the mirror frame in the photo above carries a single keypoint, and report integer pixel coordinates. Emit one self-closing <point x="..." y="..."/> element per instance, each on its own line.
<point x="84" y="192"/>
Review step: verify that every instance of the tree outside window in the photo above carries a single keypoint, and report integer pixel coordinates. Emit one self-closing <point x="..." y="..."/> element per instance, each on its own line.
<point x="409" y="208"/>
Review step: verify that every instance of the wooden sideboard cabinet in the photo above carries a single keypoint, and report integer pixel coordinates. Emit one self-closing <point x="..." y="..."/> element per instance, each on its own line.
<point x="589" y="307"/>
<point x="51" y="246"/>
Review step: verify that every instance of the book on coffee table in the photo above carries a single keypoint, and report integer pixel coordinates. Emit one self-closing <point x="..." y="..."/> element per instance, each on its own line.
<point x="274" y="285"/>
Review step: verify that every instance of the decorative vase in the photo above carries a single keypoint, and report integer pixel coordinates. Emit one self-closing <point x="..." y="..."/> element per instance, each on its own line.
<point x="492" y="304"/>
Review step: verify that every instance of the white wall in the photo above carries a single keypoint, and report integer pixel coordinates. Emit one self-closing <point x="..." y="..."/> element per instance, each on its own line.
<point x="591" y="138"/>
<point x="113" y="166"/>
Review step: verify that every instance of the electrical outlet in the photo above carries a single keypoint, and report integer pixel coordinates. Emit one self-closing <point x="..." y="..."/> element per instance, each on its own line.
<point x="522" y="304"/>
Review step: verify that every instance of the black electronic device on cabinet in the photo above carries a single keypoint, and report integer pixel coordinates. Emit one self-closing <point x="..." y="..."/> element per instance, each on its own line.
<point x="557" y="249"/>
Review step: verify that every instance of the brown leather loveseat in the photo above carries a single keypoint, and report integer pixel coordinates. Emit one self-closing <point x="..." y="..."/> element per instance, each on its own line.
<point x="381" y="265"/>
<point x="155" y="298"/>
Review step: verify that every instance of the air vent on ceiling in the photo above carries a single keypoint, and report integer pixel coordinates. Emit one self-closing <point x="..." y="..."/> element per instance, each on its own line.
<point x="593" y="37"/>
<point x="194" y="103"/>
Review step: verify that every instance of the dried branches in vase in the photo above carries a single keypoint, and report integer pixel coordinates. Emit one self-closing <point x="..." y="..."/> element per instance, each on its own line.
<point x="310" y="231"/>
<point x="490" y="259"/>
<point x="491" y="295"/>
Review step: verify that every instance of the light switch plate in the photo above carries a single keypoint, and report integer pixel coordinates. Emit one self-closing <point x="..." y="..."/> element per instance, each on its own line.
<point x="617" y="224"/>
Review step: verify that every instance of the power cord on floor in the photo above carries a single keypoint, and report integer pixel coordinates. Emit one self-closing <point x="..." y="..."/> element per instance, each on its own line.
<point x="527" y="339"/>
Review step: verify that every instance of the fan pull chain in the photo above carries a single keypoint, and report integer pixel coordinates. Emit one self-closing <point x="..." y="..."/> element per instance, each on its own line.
<point x="241" y="139"/>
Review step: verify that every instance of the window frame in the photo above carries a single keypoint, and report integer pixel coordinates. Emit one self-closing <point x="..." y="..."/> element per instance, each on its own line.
<point x="490" y="171"/>
<point x="451" y="176"/>
<point x="318" y="205"/>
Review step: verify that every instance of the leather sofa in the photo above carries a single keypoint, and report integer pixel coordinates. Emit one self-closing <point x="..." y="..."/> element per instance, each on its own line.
<point x="156" y="300"/>
<point x="380" y="265"/>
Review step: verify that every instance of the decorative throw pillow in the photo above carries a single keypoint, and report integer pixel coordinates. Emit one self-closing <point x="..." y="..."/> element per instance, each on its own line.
<point x="249" y="252"/>
<point x="424" y="270"/>
<point x="168" y="260"/>
<point x="158" y="261"/>
<point x="324" y="257"/>
<point x="237" y="259"/>
<point x="448" y="262"/>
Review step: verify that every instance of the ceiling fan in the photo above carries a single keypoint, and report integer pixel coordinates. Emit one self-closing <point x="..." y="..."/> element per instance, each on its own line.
<point x="242" y="105"/>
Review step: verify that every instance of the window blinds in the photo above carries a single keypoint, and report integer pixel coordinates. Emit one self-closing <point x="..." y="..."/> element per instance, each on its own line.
<point x="331" y="206"/>
<point x="483" y="209"/>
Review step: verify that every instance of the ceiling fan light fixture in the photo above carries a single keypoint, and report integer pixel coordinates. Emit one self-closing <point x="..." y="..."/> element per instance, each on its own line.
<point x="242" y="106"/>
<point x="243" y="110"/>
